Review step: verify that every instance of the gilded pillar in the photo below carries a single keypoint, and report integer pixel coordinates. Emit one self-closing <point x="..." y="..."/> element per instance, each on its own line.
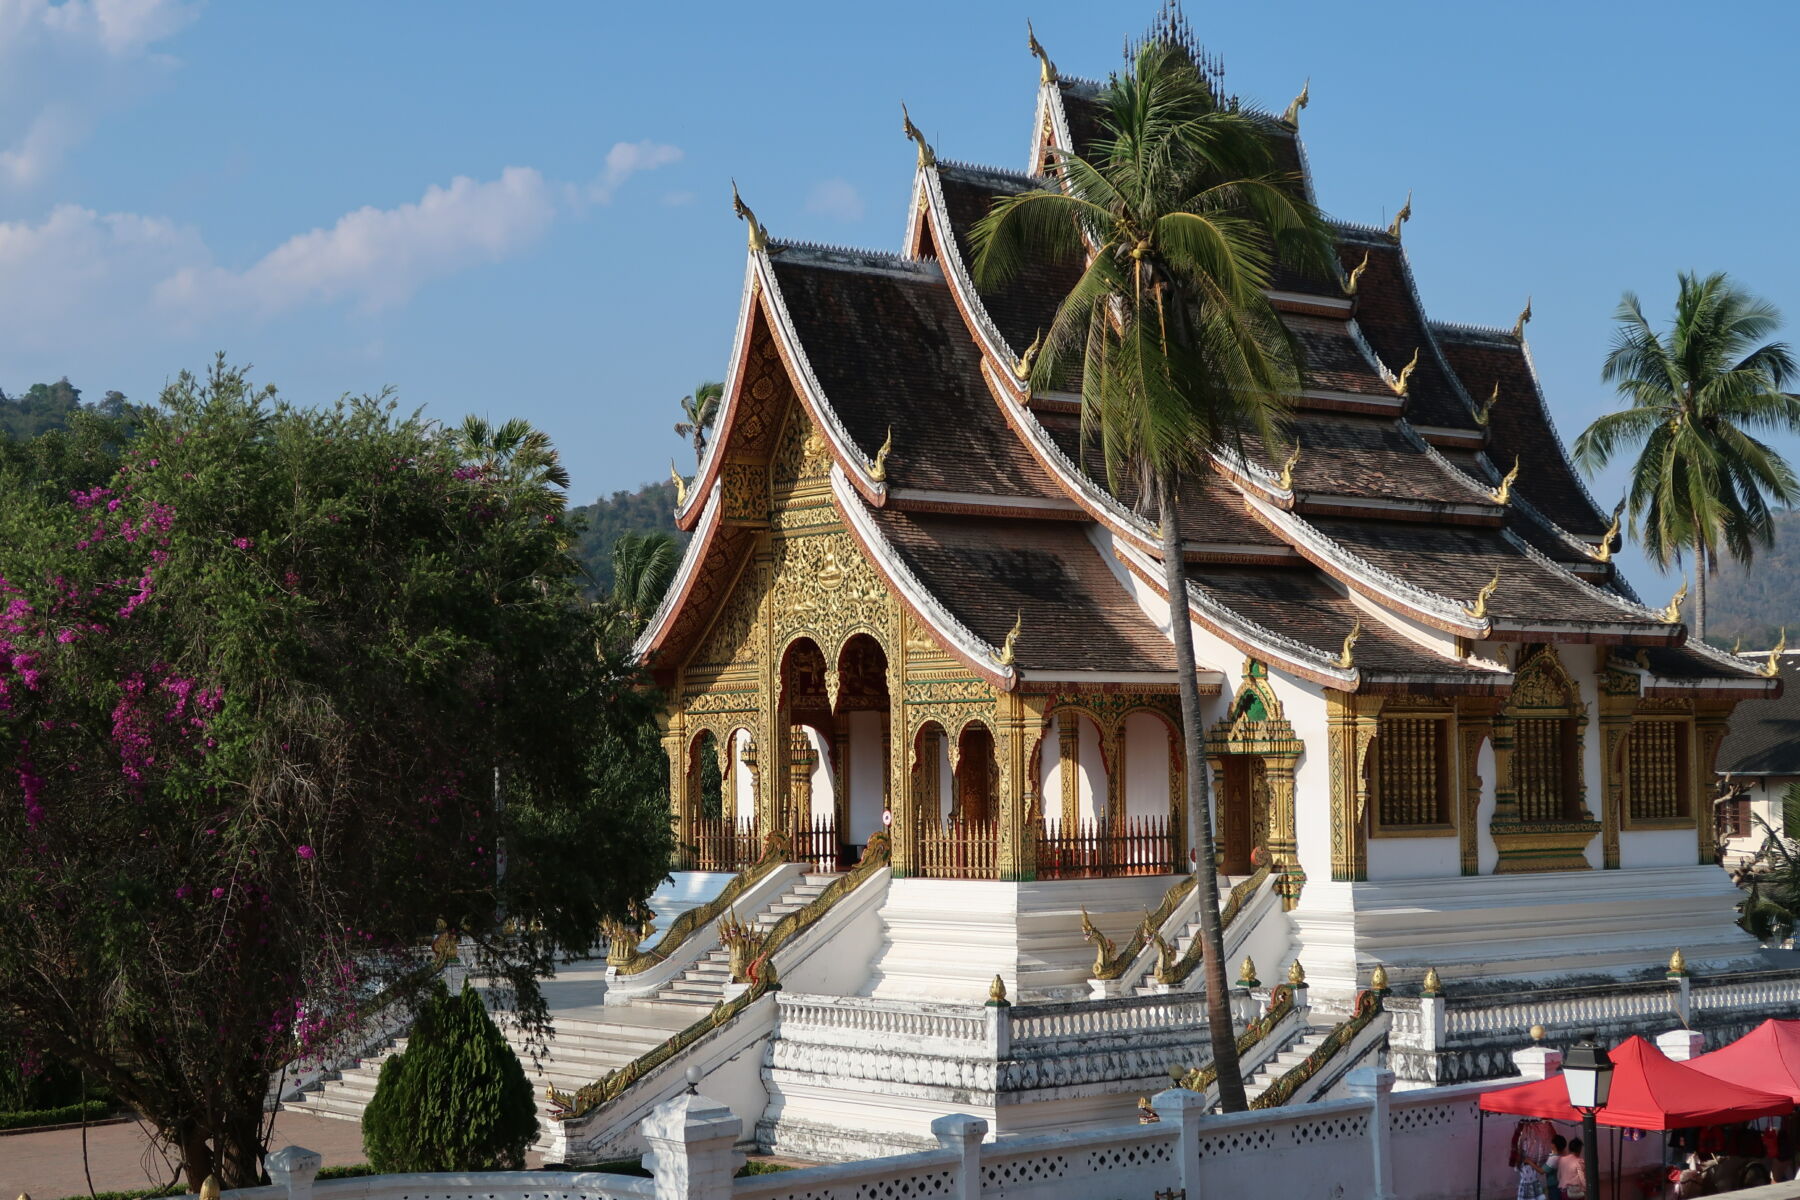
<point x="681" y="798"/>
<point x="1112" y="756"/>
<point x="1506" y="797"/>
<point x="1618" y="700"/>
<point x="801" y="761"/>
<point x="1709" y="731"/>
<point x="1178" y="809"/>
<point x="1284" y="840"/>
<point x="1474" y="725"/>
<point x="1351" y="722"/>
<point x="1021" y="722"/>
<point x="1068" y="773"/>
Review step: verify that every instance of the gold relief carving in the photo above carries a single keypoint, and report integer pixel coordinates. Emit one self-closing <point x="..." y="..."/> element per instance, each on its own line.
<point x="1614" y="682"/>
<point x="738" y="701"/>
<point x="743" y="493"/>
<point x="1068" y="768"/>
<point x="1542" y="682"/>
<point x="732" y="638"/>
<point x="1351" y="724"/>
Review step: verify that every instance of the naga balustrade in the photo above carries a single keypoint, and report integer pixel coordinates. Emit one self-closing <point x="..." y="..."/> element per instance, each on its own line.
<point x="1102" y="849"/>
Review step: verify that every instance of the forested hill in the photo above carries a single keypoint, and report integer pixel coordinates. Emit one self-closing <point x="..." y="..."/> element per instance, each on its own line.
<point x="1754" y="604"/>
<point x="46" y="406"/>
<point x="651" y="508"/>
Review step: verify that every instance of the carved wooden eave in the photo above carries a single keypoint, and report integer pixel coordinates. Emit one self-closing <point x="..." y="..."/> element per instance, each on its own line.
<point x="687" y="572"/>
<point x="707" y="475"/>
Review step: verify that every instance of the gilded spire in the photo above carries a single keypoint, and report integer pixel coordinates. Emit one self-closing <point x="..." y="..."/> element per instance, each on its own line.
<point x="1046" y="68"/>
<point x="1677" y="963"/>
<point x="680" y="485"/>
<point x="1292" y="115"/>
<point x="1523" y="321"/>
<point x="1671" y="613"/>
<point x="1772" y="668"/>
<point x="1356" y="274"/>
<point x="1401" y="217"/>
<point x="1005" y="657"/>
<point x="1346" y="658"/>
<point x="1404" y="380"/>
<point x="1378" y="980"/>
<point x="1503" y="493"/>
<point x="878" y="464"/>
<point x="1432" y="987"/>
<point x="997" y="991"/>
<point x="1247" y="973"/>
<point x="1286" y="482"/>
<point x="1479" y="609"/>
<point x="1487" y="410"/>
<point x="759" y="237"/>
<point x="1296" y="974"/>
<point x="926" y="157"/>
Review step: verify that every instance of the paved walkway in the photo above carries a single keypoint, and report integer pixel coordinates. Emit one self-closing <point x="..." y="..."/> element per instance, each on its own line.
<point x="122" y="1157"/>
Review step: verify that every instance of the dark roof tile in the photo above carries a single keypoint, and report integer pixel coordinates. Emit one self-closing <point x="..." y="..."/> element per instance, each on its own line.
<point x="1765" y="734"/>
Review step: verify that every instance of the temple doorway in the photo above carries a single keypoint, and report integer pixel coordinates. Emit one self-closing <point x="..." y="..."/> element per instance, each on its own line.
<point x="1243" y="812"/>
<point x="863" y="715"/>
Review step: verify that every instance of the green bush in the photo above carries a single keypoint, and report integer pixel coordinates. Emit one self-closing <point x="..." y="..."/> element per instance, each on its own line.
<point x="67" y="1114"/>
<point x="456" y="1099"/>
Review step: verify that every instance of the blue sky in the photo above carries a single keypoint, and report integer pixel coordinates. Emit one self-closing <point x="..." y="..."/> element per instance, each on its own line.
<point x="524" y="209"/>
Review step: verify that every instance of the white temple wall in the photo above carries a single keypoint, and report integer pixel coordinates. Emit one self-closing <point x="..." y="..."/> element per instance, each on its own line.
<point x="1146" y="766"/>
<point x="1581" y="664"/>
<point x="743" y="778"/>
<point x="1415" y="857"/>
<point x="1487" y="855"/>
<point x="867" y="778"/>
<point x="1305" y="705"/>
<point x="1657" y="848"/>
<point x="1091" y="789"/>
<point x="824" y="779"/>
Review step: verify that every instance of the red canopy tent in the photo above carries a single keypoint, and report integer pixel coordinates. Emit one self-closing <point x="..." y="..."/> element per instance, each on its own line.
<point x="1767" y="1058"/>
<point x="1649" y="1091"/>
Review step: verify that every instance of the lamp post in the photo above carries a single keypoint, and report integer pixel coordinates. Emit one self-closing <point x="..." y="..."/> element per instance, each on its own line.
<point x="1588" y="1072"/>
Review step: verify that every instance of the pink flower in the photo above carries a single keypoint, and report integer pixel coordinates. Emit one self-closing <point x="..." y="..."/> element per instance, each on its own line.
<point x="218" y="893"/>
<point x="305" y="852"/>
<point x="242" y="543"/>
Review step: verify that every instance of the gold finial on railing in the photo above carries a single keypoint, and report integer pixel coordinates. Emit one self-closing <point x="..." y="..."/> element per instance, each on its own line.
<point x="926" y="157"/>
<point x="997" y="991"/>
<point x="1046" y="68"/>
<point x="1356" y="274"/>
<point x="1010" y="645"/>
<point x="1671" y="612"/>
<point x="1401" y="217"/>
<point x="878" y="464"/>
<point x="1432" y="986"/>
<point x="680" y="484"/>
<point x="1378" y="980"/>
<point x="1247" y="973"/>
<point x="1479" y="609"/>
<point x="759" y="237"/>
<point x="1296" y="974"/>
<point x="1292" y="115"/>
<point x="1772" y="668"/>
<point x="1346" y="658"/>
<point x="1677" y="964"/>
<point x="1503" y="493"/>
<point x="1286" y="482"/>
<point x="209" y="1190"/>
<point x="1403" y="382"/>
<point x="1538" y="1033"/>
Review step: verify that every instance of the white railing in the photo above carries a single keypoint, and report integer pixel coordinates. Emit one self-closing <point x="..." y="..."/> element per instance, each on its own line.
<point x="1182" y="1011"/>
<point x="1597" y="1008"/>
<point x="1752" y="993"/>
<point x="882" y="1022"/>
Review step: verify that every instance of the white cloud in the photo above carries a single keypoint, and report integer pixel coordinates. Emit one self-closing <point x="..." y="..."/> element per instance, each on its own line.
<point x="377" y="257"/>
<point x="65" y="65"/>
<point x="835" y="198"/>
<point x="624" y="160"/>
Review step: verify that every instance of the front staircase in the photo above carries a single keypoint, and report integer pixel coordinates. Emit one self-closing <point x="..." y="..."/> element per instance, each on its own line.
<point x="1295" y="1053"/>
<point x="589" y="1040"/>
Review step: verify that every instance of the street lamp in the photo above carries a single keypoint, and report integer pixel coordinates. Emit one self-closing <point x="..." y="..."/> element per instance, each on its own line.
<point x="1588" y="1072"/>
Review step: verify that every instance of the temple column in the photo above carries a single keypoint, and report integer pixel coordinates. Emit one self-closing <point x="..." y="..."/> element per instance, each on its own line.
<point x="1709" y="731"/>
<point x="1474" y="725"/>
<point x="1068" y="771"/>
<point x="1021" y="723"/>
<point x="1506" y="797"/>
<point x="1284" y="839"/>
<point x="801" y="761"/>
<point x="1618" y="699"/>
<point x="681" y="797"/>
<point x="1352" y="724"/>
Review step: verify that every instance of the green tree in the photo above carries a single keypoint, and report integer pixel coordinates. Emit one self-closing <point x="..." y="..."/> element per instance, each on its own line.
<point x="257" y="671"/>
<point x="650" y="509"/>
<point x="1183" y="215"/>
<point x="701" y="409"/>
<point x="1701" y="482"/>
<point x="643" y="566"/>
<point x="455" y="1099"/>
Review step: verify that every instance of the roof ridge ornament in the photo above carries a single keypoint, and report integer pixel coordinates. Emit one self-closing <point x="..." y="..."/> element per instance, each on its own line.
<point x="1346" y="658"/>
<point x="1503" y="493"/>
<point x="1604" y="551"/>
<point x="1772" y="668"/>
<point x="681" y="487"/>
<point x="1292" y="115"/>
<point x="1671" y="612"/>
<point x="1356" y="274"/>
<point x="1401" y="217"/>
<point x="1404" y="380"/>
<point x="1286" y="482"/>
<point x="878" y="464"/>
<point x="926" y="157"/>
<point x="1010" y="645"/>
<point x="1479" y="609"/>
<point x="1022" y="365"/>
<point x="1523" y="321"/>
<point x="1486" y="412"/>
<point x="759" y="237"/>
<point x="1046" y="68"/>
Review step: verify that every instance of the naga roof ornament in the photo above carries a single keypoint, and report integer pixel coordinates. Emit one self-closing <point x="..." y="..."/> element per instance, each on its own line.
<point x="878" y="464"/>
<point x="1604" y="551"/>
<point x="1772" y="668"/>
<point x="680" y="485"/>
<point x="1503" y="493"/>
<point x="1356" y="275"/>
<point x="1046" y="68"/>
<point x="1292" y="115"/>
<point x="1523" y="321"/>
<point x="1479" y="609"/>
<point x="1486" y="413"/>
<point x="926" y="157"/>
<point x="1007" y="648"/>
<point x="1346" y="658"/>
<point x="1401" y="217"/>
<point x="759" y="237"/>
<point x="1404" y="380"/>
<point x="1286" y="482"/>
<point x="1022" y="365"/>
<point x="1671" y="613"/>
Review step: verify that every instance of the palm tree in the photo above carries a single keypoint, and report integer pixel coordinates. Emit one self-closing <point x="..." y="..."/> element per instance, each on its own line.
<point x="517" y="460"/>
<point x="1182" y="216"/>
<point x="643" y="564"/>
<point x="700" y="409"/>
<point x="1701" y="483"/>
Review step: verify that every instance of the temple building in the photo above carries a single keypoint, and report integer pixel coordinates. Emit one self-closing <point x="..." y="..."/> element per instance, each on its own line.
<point x="925" y="763"/>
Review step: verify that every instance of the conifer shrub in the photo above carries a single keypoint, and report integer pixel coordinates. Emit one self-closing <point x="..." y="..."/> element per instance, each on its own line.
<point x="455" y="1099"/>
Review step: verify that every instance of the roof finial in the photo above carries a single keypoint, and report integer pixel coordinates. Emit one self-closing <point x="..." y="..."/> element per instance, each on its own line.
<point x="680" y="485"/>
<point x="1478" y="610"/>
<point x="1671" y="612"/>
<point x="1604" y="551"/>
<point x="1046" y="68"/>
<point x="1286" y="482"/>
<point x="1503" y="493"/>
<point x="1356" y="275"/>
<point x="878" y="464"/>
<point x="926" y="157"/>
<point x="1346" y="658"/>
<point x="1772" y="668"/>
<point x="1005" y="656"/>
<point x="1401" y="217"/>
<point x="1404" y="381"/>
<point x="1292" y="115"/>
<point x="1523" y="321"/>
<point x="1022" y="365"/>
<point x="759" y="237"/>
<point x="1486" y="413"/>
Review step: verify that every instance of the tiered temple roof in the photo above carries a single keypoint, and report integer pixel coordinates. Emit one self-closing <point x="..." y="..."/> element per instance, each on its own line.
<point x="1428" y="468"/>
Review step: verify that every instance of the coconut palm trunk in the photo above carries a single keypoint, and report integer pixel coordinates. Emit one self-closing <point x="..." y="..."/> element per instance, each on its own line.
<point x="1700" y="591"/>
<point x="1206" y="868"/>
